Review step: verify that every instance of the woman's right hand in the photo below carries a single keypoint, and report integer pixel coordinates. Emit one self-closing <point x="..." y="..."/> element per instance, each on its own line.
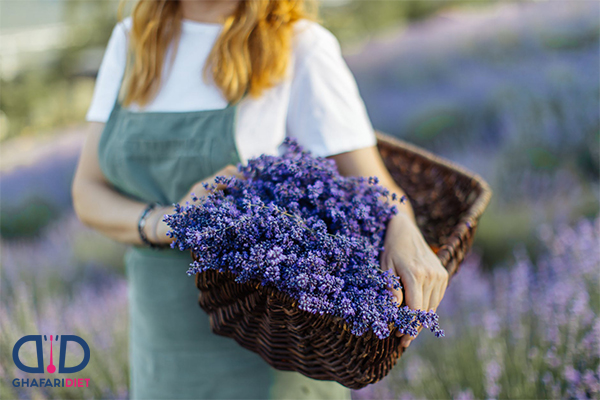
<point x="160" y="228"/>
<point x="198" y="188"/>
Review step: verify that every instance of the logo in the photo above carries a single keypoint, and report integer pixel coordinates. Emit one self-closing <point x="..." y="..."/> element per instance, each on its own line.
<point x="51" y="368"/>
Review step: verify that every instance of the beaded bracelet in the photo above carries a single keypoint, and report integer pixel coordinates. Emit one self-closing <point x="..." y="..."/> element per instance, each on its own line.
<point x="142" y="223"/>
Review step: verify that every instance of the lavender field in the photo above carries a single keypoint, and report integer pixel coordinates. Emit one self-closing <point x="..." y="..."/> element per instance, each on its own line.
<point x="511" y="92"/>
<point x="525" y="331"/>
<point x="69" y="280"/>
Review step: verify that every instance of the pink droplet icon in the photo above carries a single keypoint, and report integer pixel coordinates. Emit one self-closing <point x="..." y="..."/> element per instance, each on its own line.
<point x="51" y="368"/>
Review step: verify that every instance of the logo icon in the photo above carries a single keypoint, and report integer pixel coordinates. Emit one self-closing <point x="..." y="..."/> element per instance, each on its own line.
<point x="62" y="369"/>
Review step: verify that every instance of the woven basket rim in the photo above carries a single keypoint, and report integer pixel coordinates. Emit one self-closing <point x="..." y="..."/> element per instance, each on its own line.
<point x="486" y="192"/>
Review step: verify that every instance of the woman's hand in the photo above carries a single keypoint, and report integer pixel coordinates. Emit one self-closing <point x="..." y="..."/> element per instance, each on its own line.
<point x="406" y="253"/>
<point x="160" y="228"/>
<point x="408" y="256"/>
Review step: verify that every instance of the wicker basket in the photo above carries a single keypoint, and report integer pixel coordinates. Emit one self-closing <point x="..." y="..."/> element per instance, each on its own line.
<point x="448" y="202"/>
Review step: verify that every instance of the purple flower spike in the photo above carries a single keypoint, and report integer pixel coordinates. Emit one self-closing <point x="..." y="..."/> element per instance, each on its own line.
<point x="296" y="224"/>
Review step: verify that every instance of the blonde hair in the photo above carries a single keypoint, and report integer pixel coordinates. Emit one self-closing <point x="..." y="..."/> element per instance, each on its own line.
<point x="250" y="55"/>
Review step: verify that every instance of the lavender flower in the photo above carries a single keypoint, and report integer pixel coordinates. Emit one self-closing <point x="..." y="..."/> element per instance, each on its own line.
<point x="296" y="224"/>
<point x="539" y="343"/>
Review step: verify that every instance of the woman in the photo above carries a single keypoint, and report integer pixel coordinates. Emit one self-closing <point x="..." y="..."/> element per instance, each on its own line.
<point x="159" y="127"/>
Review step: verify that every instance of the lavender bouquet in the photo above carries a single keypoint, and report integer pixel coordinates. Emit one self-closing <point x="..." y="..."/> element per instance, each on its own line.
<point x="295" y="223"/>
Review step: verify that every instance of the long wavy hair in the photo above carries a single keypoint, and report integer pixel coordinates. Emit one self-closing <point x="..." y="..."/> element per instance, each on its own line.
<point x="251" y="54"/>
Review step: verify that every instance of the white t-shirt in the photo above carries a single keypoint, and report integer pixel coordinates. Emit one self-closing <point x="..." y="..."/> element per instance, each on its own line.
<point x="318" y="104"/>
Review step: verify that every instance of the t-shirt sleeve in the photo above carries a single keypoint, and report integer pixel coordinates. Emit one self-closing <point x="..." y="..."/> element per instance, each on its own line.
<point x="109" y="76"/>
<point x="326" y="113"/>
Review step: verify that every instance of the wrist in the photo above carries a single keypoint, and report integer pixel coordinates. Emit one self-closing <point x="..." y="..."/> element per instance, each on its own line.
<point x="402" y="218"/>
<point x="402" y="204"/>
<point x="405" y="209"/>
<point x="147" y="225"/>
<point x="159" y="227"/>
<point x="151" y="226"/>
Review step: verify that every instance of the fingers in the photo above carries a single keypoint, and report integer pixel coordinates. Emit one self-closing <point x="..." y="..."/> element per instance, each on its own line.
<point x="434" y="300"/>
<point x="437" y="295"/>
<point x="420" y="270"/>
<point x="414" y="300"/>
<point x="387" y="264"/>
<point x="229" y="170"/>
<point x="441" y="291"/>
<point x="414" y="293"/>
<point x="430" y="294"/>
<point x="399" y="297"/>
<point x="419" y="300"/>
<point x="430" y="289"/>
<point x="397" y="292"/>
<point x="407" y="339"/>
<point x="433" y="292"/>
<point x="199" y="190"/>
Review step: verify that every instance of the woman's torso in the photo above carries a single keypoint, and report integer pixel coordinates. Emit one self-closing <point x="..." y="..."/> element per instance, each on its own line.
<point x="156" y="154"/>
<point x="318" y="102"/>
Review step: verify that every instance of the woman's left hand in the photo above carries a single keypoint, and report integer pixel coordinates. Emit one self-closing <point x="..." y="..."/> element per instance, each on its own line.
<point x="408" y="256"/>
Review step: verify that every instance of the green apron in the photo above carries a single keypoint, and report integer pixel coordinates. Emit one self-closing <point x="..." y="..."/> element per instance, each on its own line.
<point x="158" y="156"/>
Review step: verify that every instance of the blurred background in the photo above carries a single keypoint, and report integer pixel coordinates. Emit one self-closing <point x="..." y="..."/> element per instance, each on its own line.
<point x="507" y="89"/>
